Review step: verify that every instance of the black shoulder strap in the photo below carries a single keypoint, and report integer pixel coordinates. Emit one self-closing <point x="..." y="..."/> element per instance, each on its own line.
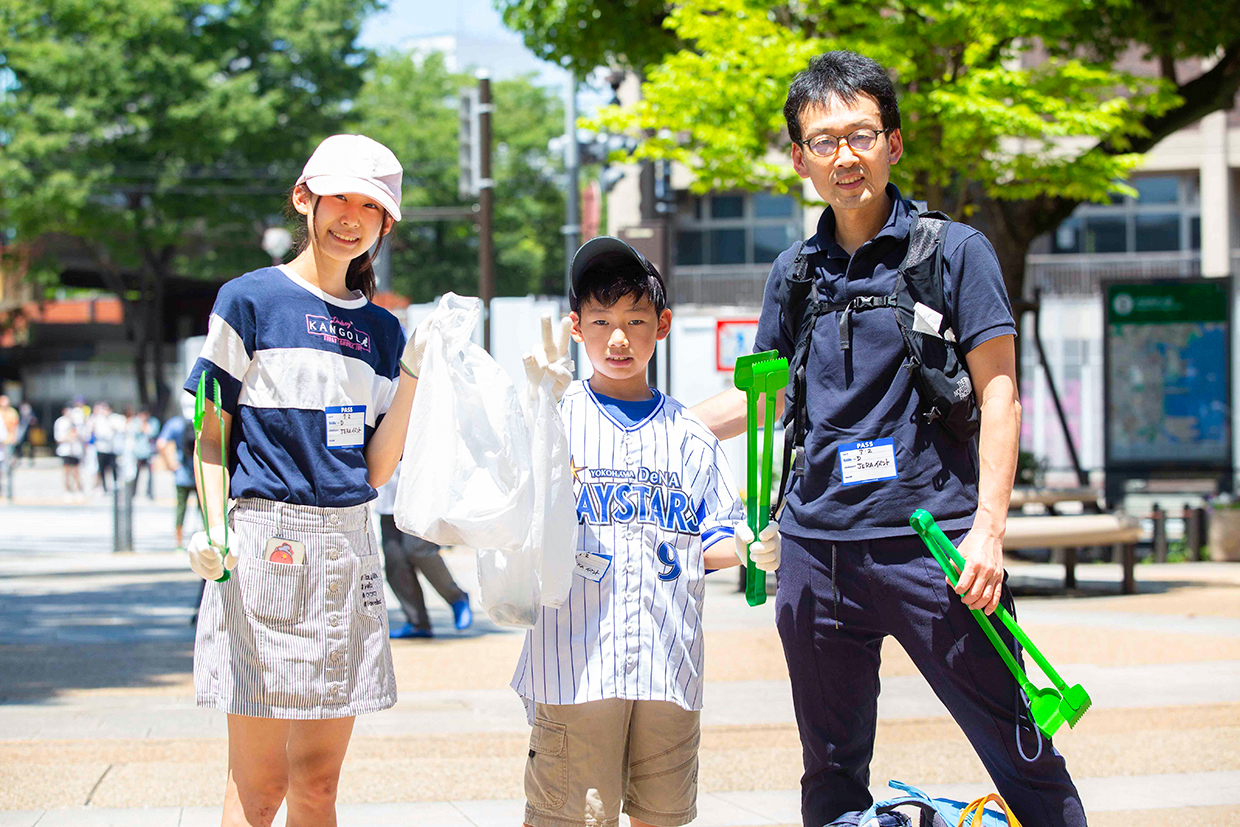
<point x="793" y="290"/>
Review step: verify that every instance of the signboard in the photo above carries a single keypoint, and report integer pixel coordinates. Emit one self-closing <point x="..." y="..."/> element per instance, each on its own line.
<point x="1167" y="386"/>
<point x="733" y="338"/>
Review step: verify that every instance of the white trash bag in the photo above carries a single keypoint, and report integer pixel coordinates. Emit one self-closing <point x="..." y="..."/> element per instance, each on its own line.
<point x="517" y="584"/>
<point x="465" y="478"/>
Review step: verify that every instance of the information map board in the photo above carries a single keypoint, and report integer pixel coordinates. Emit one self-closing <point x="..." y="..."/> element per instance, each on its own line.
<point x="1168" y="394"/>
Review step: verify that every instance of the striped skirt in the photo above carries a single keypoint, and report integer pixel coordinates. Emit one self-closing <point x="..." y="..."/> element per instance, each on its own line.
<point x="308" y="641"/>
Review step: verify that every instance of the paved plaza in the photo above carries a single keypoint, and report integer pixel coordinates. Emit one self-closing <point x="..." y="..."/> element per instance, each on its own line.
<point x="98" y="725"/>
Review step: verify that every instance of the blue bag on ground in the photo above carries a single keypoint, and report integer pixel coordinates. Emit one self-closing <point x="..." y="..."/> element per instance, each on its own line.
<point x="932" y="812"/>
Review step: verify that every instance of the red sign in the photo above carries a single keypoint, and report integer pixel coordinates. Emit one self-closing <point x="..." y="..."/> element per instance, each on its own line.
<point x="733" y="338"/>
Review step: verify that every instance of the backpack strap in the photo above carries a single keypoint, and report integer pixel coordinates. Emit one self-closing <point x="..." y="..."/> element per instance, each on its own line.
<point x="799" y="305"/>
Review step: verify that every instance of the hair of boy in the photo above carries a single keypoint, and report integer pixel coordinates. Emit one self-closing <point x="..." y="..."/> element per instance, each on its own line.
<point x="844" y="75"/>
<point x="611" y="277"/>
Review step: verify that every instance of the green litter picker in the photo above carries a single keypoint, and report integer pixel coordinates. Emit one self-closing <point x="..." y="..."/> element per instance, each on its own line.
<point x="758" y="373"/>
<point x="1050" y="708"/>
<point x="200" y="407"/>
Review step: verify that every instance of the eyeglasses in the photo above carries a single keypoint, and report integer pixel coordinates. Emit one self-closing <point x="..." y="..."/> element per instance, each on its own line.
<point x="859" y="140"/>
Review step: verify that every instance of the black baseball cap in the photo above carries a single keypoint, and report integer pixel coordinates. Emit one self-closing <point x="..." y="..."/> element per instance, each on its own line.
<point x="611" y="251"/>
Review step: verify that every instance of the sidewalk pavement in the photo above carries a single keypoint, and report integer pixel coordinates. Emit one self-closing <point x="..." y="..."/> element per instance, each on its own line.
<point x="98" y="726"/>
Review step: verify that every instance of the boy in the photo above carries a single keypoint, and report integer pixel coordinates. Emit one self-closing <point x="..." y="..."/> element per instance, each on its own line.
<point x="612" y="680"/>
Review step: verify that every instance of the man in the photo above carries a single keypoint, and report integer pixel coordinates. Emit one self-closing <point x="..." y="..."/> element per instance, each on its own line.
<point x="26" y="424"/>
<point x="175" y="444"/>
<point x="853" y="572"/>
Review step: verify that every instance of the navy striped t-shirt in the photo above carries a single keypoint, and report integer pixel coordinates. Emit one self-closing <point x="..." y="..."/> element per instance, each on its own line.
<point x="307" y="377"/>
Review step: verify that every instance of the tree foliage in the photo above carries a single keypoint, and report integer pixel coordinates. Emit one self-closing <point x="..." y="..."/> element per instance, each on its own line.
<point x="1013" y="113"/>
<point x="411" y="105"/>
<point x="581" y="35"/>
<point x="160" y="135"/>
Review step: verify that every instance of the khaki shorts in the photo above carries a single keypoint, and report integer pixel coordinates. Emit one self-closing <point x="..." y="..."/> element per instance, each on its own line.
<point x="589" y="761"/>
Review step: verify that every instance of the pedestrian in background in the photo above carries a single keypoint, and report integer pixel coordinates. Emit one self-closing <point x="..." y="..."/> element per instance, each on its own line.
<point x="9" y="421"/>
<point x="175" y="444"/>
<point x="67" y="432"/>
<point x="106" y="430"/>
<point x="26" y="425"/>
<point x="404" y="556"/>
<point x="141" y="429"/>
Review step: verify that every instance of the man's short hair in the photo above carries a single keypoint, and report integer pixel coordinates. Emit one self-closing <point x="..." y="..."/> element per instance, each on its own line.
<point x="607" y="269"/>
<point x="844" y="75"/>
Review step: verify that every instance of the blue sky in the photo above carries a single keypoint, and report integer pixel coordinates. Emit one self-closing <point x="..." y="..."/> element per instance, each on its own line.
<point x="417" y="18"/>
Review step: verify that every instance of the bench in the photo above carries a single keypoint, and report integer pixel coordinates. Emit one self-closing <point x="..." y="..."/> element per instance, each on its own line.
<point x="1051" y="497"/>
<point x="1072" y="532"/>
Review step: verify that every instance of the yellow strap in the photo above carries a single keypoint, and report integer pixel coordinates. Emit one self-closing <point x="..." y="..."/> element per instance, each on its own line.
<point x="971" y="816"/>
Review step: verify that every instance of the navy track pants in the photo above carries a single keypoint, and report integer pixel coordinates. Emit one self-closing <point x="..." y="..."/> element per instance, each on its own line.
<point x="832" y="625"/>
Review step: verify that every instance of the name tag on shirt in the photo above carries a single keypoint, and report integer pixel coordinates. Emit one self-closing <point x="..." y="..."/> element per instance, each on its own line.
<point x="593" y="567"/>
<point x="870" y="461"/>
<point x="346" y="426"/>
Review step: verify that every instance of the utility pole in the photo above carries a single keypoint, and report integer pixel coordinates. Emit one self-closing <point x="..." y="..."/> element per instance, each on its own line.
<point x="486" y="196"/>
<point x="572" y="174"/>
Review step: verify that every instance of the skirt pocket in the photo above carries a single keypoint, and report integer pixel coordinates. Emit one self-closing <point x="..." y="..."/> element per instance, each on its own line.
<point x="370" y="603"/>
<point x="273" y="593"/>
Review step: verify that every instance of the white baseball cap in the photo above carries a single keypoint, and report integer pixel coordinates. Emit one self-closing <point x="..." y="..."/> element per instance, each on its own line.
<point x="354" y="163"/>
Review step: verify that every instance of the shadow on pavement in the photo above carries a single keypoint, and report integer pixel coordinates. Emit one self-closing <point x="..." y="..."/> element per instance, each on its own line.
<point x="41" y="672"/>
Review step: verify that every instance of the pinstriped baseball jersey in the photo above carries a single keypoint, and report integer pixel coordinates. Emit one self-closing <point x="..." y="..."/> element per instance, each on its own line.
<point x="650" y="497"/>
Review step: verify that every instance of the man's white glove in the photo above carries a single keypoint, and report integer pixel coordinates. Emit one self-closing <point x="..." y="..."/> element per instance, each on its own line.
<point x="550" y="358"/>
<point x="415" y="348"/>
<point x="765" y="552"/>
<point x="208" y="556"/>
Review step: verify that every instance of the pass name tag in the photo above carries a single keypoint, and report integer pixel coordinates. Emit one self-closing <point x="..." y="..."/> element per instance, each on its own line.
<point x="870" y="461"/>
<point x="346" y="426"/>
<point x="593" y="567"/>
<point x="279" y="550"/>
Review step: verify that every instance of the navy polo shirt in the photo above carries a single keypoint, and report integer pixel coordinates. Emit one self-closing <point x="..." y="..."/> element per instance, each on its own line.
<point x="867" y="393"/>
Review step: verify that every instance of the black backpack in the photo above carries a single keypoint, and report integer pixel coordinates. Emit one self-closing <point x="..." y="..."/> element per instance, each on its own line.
<point x="186" y="445"/>
<point x="939" y="370"/>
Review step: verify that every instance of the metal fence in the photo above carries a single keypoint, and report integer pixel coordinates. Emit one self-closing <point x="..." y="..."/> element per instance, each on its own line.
<point x="1054" y="275"/>
<point x="1080" y="275"/>
<point x="719" y="284"/>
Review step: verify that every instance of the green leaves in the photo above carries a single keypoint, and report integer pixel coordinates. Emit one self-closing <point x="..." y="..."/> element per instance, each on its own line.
<point x="581" y="35"/>
<point x="187" y="119"/>
<point x="980" y="103"/>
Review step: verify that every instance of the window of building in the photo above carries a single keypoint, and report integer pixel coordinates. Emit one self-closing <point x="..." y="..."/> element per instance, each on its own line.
<point x="1164" y="217"/>
<point x="735" y="228"/>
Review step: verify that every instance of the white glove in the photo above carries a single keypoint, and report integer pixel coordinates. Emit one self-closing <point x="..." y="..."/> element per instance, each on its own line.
<point x="765" y="551"/>
<point x="415" y="347"/>
<point x="550" y="359"/>
<point x="204" y="554"/>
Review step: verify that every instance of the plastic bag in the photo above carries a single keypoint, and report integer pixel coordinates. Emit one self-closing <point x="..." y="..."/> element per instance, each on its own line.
<point x="465" y="478"/>
<point x="517" y="584"/>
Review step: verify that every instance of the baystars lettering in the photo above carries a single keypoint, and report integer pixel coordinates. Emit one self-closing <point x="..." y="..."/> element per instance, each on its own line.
<point x="653" y="498"/>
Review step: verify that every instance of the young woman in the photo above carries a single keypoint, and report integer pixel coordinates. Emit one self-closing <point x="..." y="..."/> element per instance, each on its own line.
<point x="316" y="386"/>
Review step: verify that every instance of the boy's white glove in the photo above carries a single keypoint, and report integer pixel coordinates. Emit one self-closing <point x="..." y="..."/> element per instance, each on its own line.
<point x="764" y="552"/>
<point x="550" y="358"/>
<point x="205" y="554"/>
<point x="415" y="347"/>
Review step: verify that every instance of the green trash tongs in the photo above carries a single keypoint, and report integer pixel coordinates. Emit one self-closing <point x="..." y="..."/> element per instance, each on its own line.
<point x="1050" y="708"/>
<point x="758" y="373"/>
<point x="200" y="407"/>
